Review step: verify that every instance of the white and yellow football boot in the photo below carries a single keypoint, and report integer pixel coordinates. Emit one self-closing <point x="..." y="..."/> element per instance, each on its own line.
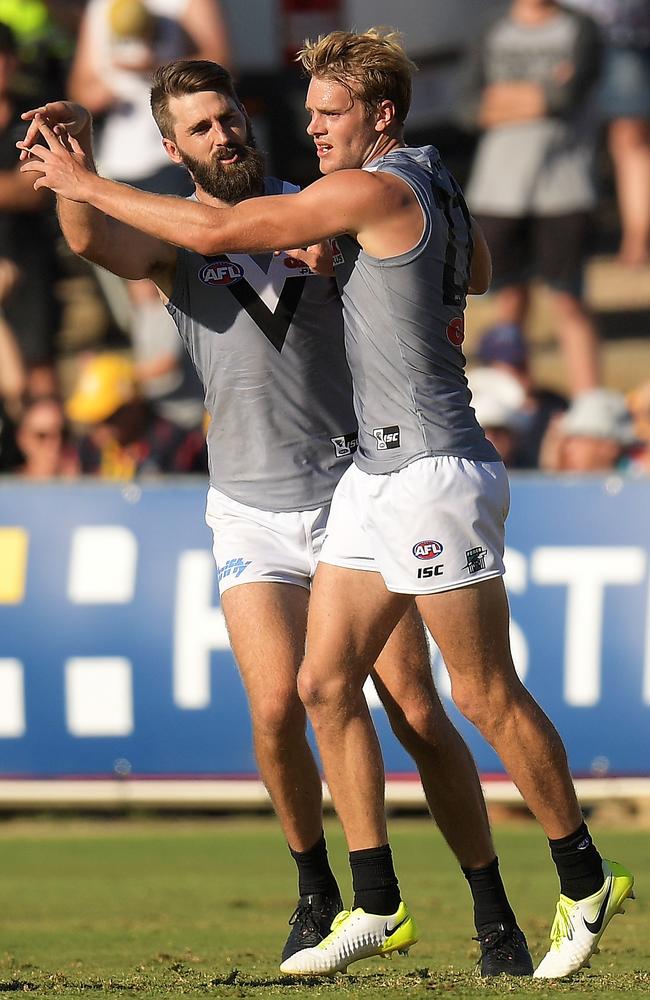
<point x="355" y="935"/>
<point x="579" y="926"/>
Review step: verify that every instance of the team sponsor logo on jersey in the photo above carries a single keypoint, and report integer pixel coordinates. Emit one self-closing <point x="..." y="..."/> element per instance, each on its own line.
<point x="338" y="257"/>
<point x="428" y="549"/>
<point x="475" y="559"/>
<point x="387" y="437"/>
<point x="345" y="444"/>
<point x="232" y="567"/>
<point x="456" y="331"/>
<point x="221" y="271"/>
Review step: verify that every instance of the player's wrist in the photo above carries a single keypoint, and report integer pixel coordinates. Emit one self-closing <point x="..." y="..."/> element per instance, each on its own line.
<point x="91" y="187"/>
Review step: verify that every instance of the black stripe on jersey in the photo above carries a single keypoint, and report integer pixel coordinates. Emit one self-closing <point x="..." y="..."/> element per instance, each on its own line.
<point x="453" y="292"/>
<point x="462" y="204"/>
<point x="274" y="325"/>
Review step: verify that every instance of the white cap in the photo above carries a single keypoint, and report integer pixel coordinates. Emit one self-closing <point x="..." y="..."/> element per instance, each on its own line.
<point x="497" y="398"/>
<point x="599" y="413"/>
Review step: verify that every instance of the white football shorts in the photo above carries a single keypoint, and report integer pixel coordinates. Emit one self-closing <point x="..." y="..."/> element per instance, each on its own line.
<point x="435" y="525"/>
<point x="262" y="546"/>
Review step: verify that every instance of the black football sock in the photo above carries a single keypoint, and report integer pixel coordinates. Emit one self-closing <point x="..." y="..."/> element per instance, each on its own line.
<point x="491" y="904"/>
<point x="314" y="872"/>
<point x="579" y="865"/>
<point x="374" y="881"/>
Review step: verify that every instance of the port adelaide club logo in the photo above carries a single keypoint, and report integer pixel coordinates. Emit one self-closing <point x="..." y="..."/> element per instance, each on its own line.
<point x="425" y="551"/>
<point x="221" y="271"/>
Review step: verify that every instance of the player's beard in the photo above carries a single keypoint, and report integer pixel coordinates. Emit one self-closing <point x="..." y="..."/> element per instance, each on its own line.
<point x="230" y="182"/>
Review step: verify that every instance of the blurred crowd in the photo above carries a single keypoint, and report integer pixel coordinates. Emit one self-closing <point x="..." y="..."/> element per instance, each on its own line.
<point x="546" y="88"/>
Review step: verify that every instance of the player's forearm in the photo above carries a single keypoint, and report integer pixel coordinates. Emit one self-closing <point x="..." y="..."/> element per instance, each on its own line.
<point x="481" y="269"/>
<point x="178" y="221"/>
<point x="164" y="217"/>
<point x="85" y="228"/>
<point x="87" y="231"/>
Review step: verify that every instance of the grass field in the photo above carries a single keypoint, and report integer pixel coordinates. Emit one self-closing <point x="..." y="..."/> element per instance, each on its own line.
<point x="160" y="908"/>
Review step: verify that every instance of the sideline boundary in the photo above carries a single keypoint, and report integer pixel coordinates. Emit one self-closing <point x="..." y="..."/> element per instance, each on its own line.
<point x="236" y="794"/>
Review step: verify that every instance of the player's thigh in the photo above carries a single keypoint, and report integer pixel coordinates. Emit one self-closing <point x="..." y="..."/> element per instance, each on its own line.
<point x="351" y="616"/>
<point x="403" y="679"/>
<point x="266" y="624"/>
<point x="470" y="626"/>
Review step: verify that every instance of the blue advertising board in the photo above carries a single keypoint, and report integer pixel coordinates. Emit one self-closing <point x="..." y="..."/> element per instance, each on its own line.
<point x="114" y="654"/>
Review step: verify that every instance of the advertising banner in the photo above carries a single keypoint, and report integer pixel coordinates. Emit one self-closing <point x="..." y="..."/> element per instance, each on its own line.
<point x="114" y="657"/>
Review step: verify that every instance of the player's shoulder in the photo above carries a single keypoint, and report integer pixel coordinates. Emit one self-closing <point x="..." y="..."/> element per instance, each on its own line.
<point x="424" y="157"/>
<point x="414" y="164"/>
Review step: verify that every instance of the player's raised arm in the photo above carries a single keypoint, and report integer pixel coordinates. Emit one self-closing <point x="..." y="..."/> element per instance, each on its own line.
<point x="89" y="232"/>
<point x="345" y="202"/>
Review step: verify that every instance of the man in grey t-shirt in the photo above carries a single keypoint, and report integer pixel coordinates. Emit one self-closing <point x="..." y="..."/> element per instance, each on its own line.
<point x="529" y="86"/>
<point x="265" y="335"/>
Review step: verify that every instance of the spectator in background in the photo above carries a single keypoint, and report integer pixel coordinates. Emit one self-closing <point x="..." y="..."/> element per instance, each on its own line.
<point x="594" y="435"/>
<point x="45" y="33"/>
<point x="528" y="84"/>
<point x="503" y="347"/>
<point x="43" y="441"/>
<point x="13" y="379"/>
<point x="121" y="43"/>
<point x="625" y="105"/>
<point x="125" y="437"/>
<point x="12" y="375"/>
<point x="27" y="230"/>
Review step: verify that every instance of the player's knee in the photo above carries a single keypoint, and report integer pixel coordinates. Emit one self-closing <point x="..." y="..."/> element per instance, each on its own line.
<point x="485" y="706"/>
<point x="416" y="726"/>
<point x="469" y="700"/>
<point x="278" y="714"/>
<point x="321" y="691"/>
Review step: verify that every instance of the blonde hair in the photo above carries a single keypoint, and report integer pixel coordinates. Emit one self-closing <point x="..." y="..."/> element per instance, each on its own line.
<point x="372" y="66"/>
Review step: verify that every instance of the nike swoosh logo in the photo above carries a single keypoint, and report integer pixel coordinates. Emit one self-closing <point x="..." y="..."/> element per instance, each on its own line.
<point x="391" y="930"/>
<point x="596" y="927"/>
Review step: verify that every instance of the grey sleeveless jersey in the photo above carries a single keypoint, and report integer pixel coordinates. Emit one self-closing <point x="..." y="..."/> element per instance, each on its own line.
<point x="404" y="327"/>
<point x="266" y="338"/>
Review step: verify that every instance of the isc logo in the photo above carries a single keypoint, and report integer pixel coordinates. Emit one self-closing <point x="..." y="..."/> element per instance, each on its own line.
<point x="387" y="437"/>
<point x="221" y="272"/>
<point x="427" y="550"/>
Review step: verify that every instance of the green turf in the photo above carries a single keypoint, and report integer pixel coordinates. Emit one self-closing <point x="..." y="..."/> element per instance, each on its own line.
<point x="159" y="908"/>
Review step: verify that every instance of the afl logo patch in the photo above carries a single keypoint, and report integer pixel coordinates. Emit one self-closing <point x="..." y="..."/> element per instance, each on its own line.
<point x="427" y="549"/>
<point x="456" y="331"/>
<point x="221" y="272"/>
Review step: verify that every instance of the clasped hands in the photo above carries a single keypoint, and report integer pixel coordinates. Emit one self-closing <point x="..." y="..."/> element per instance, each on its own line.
<point x="61" y="165"/>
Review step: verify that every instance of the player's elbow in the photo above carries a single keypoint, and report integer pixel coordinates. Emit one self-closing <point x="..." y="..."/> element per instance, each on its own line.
<point x="81" y="244"/>
<point x="202" y="242"/>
